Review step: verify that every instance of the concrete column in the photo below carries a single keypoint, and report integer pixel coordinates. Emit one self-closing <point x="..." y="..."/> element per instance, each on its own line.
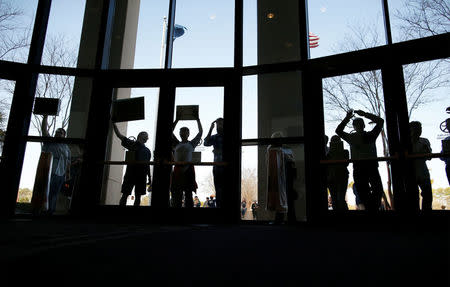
<point x="279" y="95"/>
<point x="123" y="46"/>
<point x="122" y="54"/>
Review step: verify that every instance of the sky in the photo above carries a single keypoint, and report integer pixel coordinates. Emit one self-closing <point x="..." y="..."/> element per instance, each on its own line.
<point x="208" y="42"/>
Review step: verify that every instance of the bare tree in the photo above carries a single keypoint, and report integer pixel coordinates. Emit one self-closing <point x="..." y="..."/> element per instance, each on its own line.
<point x="14" y="36"/>
<point x="249" y="185"/>
<point x="14" y="39"/>
<point x="57" y="52"/>
<point x="422" y="18"/>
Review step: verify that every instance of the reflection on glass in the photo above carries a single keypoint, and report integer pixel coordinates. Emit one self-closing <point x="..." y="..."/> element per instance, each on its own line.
<point x="270" y="32"/>
<point x="354" y="109"/>
<point x="62" y="40"/>
<point x="135" y="143"/>
<point x="279" y="102"/>
<point x="249" y="107"/>
<point x="208" y="39"/>
<point x="272" y="183"/>
<point x="341" y="28"/>
<point x="427" y="92"/>
<point x="50" y="175"/>
<point x="16" y="22"/>
<point x="413" y="19"/>
<point x="6" y="95"/>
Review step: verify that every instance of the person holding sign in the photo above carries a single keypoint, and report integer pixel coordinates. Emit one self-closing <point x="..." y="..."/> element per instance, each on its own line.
<point x="183" y="175"/>
<point x="135" y="174"/>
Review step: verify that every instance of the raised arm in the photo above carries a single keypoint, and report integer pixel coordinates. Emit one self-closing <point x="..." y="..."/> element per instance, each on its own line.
<point x="44" y="126"/>
<point x="208" y="136"/>
<point x="340" y="128"/>
<point x="196" y="141"/>
<point x="117" y="132"/>
<point x="200" y="128"/>
<point x="374" y="118"/>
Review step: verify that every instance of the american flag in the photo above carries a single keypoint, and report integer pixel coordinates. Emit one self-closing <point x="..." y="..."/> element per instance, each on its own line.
<point x="313" y="40"/>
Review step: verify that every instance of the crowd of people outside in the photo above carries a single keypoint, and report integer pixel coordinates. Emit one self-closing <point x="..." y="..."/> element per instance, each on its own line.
<point x="367" y="186"/>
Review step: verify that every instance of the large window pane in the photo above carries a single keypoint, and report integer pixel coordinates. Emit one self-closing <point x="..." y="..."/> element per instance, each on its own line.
<point x="413" y="19"/>
<point x="73" y="94"/>
<point x="152" y="28"/>
<point x="250" y="107"/>
<point x="117" y="178"/>
<point x="16" y="27"/>
<point x="208" y="102"/>
<point x="272" y="103"/>
<point x="362" y="93"/>
<point x="208" y="39"/>
<point x="343" y="28"/>
<point x="249" y="184"/>
<point x="6" y="95"/>
<point x="269" y="175"/>
<point x="271" y="32"/>
<point x="427" y="93"/>
<point x="62" y="40"/>
<point x="40" y="188"/>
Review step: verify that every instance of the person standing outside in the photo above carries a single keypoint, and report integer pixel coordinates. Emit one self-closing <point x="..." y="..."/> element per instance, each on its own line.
<point x="422" y="175"/>
<point x="135" y="174"/>
<point x="60" y="165"/>
<point x="183" y="176"/>
<point x="218" y="171"/>
<point x="446" y="149"/>
<point x="366" y="176"/>
<point x="337" y="174"/>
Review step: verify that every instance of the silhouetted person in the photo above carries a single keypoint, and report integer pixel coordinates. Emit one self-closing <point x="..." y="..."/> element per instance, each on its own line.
<point x="337" y="173"/>
<point x="243" y="208"/>
<point x="254" y="208"/>
<point x="197" y="202"/>
<point x="205" y="204"/>
<point x="422" y="175"/>
<point x="212" y="202"/>
<point x="60" y="164"/>
<point x="446" y="149"/>
<point x="218" y="171"/>
<point x="183" y="176"/>
<point x="135" y="174"/>
<point x="362" y="146"/>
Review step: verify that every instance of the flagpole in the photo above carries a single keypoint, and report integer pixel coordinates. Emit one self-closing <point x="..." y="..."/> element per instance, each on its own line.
<point x="163" y="37"/>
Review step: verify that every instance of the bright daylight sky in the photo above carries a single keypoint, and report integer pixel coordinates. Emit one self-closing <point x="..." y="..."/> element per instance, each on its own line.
<point x="208" y="42"/>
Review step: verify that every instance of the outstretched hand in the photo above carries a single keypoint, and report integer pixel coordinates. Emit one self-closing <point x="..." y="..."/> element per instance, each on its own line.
<point x="359" y="112"/>
<point x="349" y="113"/>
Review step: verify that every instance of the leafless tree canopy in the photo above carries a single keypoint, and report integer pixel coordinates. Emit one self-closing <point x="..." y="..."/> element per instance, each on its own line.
<point x="14" y="36"/>
<point x="57" y="52"/>
<point x="364" y="90"/>
<point x="422" y="18"/>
